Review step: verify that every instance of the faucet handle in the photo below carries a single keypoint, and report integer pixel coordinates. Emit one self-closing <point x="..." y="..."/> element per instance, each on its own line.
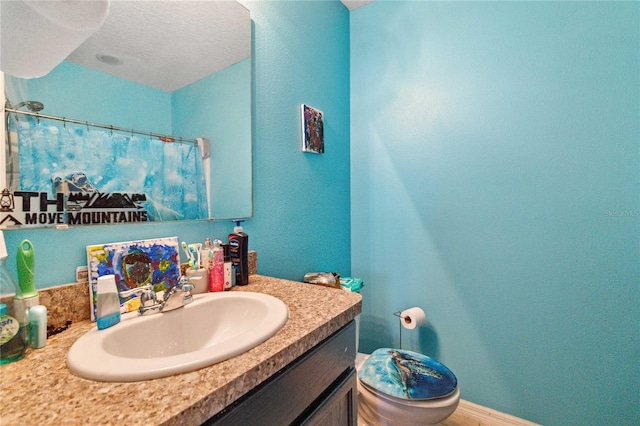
<point x="148" y="296"/>
<point x="185" y="284"/>
<point x="138" y="290"/>
<point x="184" y="280"/>
<point x="187" y="287"/>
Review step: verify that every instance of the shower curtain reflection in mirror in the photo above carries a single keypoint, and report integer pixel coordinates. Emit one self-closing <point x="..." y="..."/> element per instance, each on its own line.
<point x="73" y="158"/>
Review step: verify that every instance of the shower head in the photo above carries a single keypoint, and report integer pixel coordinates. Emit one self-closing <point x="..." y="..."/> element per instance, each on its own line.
<point x="33" y="106"/>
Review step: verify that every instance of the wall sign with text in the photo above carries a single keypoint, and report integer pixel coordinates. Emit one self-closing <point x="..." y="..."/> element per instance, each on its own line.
<point x="28" y="208"/>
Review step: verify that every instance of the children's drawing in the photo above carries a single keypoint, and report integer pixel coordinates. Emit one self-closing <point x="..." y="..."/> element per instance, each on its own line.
<point x="134" y="264"/>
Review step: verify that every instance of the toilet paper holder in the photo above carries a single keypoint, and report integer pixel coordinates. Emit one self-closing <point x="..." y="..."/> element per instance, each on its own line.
<point x="400" y="320"/>
<point x="410" y="319"/>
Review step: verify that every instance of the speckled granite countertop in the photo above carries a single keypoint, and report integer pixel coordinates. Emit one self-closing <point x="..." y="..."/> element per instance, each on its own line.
<point x="41" y="390"/>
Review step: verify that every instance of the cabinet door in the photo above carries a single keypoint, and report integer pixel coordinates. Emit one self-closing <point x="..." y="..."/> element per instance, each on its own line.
<point x="297" y="392"/>
<point x="340" y="407"/>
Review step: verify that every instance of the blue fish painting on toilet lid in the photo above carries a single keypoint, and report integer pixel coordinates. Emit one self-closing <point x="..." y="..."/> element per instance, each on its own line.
<point x="407" y="375"/>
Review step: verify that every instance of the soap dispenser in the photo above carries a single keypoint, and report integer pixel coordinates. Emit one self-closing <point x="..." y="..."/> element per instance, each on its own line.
<point x="107" y="302"/>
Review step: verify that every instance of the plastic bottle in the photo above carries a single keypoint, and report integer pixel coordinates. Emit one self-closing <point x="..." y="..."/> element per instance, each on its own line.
<point x="13" y="337"/>
<point x="25" y="262"/>
<point x="216" y="279"/>
<point x="37" y="326"/>
<point x="239" y="251"/>
<point x="107" y="302"/>
<point x="205" y="255"/>
<point x="228" y="268"/>
<point x="14" y="329"/>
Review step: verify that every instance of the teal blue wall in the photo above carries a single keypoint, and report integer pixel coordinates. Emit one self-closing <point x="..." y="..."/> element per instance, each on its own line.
<point x="495" y="170"/>
<point x="75" y="93"/>
<point x="494" y="182"/>
<point x="219" y="107"/>
<point x="70" y="90"/>
<point x="301" y="200"/>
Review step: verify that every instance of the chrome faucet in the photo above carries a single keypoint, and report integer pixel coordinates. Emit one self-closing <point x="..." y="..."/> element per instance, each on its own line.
<point x="178" y="295"/>
<point x="174" y="298"/>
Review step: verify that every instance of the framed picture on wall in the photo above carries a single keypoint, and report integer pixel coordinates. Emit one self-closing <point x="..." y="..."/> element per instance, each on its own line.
<point x="312" y="129"/>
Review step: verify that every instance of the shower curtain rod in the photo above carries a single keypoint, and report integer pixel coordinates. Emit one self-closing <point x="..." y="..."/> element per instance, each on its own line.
<point x="164" y="138"/>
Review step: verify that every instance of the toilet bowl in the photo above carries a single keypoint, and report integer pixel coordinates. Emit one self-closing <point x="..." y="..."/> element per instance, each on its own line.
<point x="403" y="388"/>
<point x="379" y="405"/>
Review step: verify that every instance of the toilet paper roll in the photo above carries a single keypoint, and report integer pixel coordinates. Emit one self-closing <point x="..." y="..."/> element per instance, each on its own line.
<point x="412" y="318"/>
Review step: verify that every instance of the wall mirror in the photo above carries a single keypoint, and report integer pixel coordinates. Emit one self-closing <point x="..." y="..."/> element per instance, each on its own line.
<point x="164" y="74"/>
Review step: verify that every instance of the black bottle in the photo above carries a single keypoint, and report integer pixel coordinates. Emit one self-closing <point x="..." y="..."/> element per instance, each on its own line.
<point x="239" y="252"/>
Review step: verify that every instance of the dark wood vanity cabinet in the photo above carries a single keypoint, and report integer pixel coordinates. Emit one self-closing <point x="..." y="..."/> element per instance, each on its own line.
<point x="317" y="389"/>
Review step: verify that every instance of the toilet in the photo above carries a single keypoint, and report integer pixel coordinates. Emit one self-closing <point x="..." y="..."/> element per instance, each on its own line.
<point x="403" y="388"/>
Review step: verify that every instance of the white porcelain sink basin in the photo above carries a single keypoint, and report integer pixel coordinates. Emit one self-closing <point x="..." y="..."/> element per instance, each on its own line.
<point x="213" y="328"/>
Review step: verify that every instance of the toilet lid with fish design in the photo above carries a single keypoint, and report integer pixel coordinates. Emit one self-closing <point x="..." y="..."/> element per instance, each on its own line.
<point x="407" y="375"/>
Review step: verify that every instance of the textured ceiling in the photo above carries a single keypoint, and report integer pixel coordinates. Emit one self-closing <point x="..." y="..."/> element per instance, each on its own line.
<point x="169" y="44"/>
<point x="353" y="4"/>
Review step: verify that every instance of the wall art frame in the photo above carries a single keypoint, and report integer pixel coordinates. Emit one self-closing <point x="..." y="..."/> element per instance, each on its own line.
<point x="312" y="129"/>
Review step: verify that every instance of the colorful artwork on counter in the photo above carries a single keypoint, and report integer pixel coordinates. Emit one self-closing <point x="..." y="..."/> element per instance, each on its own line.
<point x="134" y="264"/>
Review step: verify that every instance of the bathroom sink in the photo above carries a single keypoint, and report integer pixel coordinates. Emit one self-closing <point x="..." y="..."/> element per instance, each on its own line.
<point x="211" y="329"/>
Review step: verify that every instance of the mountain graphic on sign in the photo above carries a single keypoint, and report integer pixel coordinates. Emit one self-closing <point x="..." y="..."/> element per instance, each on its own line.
<point x="115" y="201"/>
